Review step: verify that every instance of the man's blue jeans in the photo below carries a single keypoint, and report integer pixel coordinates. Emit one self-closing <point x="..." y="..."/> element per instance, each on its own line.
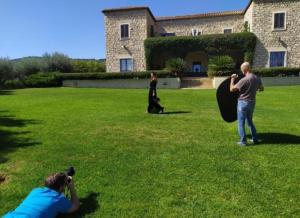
<point x="245" y="111"/>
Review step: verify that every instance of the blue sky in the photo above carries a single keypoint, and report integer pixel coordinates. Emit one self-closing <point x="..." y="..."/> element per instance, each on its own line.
<point x="76" y="27"/>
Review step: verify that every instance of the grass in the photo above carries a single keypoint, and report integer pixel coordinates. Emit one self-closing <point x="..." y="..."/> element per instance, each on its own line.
<point x="131" y="164"/>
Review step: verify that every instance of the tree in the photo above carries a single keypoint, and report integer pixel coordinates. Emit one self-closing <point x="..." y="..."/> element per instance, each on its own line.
<point x="56" y="62"/>
<point x="6" y="69"/>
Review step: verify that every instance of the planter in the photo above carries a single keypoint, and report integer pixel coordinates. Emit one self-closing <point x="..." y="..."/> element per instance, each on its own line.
<point x="267" y="81"/>
<point x="163" y="83"/>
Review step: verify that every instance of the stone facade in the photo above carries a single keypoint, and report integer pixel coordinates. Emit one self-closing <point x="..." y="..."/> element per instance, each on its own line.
<point x="209" y="25"/>
<point x="281" y="40"/>
<point x="258" y="14"/>
<point x="249" y="15"/>
<point x="133" y="47"/>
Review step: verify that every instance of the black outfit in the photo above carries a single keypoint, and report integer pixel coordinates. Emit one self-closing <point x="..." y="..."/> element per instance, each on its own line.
<point x="153" y="100"/>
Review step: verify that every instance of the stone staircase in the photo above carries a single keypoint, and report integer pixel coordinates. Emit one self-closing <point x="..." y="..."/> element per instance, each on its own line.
<point x="196" y="83"/>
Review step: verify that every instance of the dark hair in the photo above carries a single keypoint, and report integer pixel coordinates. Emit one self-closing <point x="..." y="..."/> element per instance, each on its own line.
<point x="55" y="181"/>
<point x="154" y="74"/>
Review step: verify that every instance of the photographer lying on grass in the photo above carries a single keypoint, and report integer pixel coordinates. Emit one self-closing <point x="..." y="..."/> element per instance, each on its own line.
<point x="50" y="200"/>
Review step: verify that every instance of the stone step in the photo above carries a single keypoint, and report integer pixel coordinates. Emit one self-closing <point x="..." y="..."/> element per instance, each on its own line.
<point x="196" y="83"/>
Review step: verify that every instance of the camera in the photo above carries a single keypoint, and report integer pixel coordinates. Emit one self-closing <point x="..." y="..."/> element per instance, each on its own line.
<point x="70" y="172"/>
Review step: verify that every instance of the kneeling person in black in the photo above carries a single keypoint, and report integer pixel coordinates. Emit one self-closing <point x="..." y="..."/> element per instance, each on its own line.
<point x="153" y="100"/>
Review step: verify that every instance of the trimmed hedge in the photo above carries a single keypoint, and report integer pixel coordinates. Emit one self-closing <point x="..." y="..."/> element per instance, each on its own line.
<point x="39" y="80"/>
<point x="263" y="72"/>
<point x="213" y="45"/>
<point x="277" y="72"/>
<point x="108" y="76"/>
<point x="222" y="73"/>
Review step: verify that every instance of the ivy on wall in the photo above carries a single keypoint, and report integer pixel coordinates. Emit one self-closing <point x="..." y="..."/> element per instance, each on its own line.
<point x="213" y="45"/>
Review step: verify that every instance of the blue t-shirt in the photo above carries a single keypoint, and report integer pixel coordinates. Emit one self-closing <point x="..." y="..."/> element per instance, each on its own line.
<point x="41" y="202"/>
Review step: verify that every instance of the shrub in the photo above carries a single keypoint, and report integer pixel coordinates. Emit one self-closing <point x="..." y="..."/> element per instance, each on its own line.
<point x="56" y="62"/>
<point x="108" y="76"/>
<point x="42" y="80"/>
<point x="39" y="80"/>
<point x="14" y="84"/>
<point x="220" y="65"/>
<point x="176" y="66"/>
<point x="82" y="66"/>
<point x="6" y="70"/>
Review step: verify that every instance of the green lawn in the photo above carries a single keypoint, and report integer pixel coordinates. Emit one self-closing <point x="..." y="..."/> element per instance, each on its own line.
<point x="131" y="164"/>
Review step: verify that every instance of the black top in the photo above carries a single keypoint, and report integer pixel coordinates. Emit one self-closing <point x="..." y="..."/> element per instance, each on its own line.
<point x="152" y="91"/>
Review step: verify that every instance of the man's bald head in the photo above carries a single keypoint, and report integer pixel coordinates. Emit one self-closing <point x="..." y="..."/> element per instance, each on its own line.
<point x="246" y="67"/>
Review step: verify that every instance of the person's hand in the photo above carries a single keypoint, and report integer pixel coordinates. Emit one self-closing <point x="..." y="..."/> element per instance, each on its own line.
<point x="234" y="76"/>
<point x="70" y="183"/>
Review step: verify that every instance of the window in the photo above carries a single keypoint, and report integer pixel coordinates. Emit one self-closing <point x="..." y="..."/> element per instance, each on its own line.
<point x="124" y="31"/>
<point x="227" y="31"/>
<point x="167" y="34"/>
<point x="277" y="59"/>
<point x="151" y="31"/>
<point x="196" y="67"/>
<point x="126" y="65"/>
<point x="279" y="21"/>
<point x="196" y="32"/>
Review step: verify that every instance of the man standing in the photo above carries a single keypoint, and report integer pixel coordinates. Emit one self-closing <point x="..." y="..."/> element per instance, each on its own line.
<point x="247" y="87"/>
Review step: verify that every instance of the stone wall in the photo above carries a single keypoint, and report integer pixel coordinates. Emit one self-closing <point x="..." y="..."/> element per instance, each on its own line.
<point x="163" y="83"/>
<point x="209" y="25"/>
<point x="151" y="22"/>
<point x="269" y="40"/>
<point x="259" y="15"/>
<point x="267" y="81"/>
<point x="116" y="48"/>
<point x="249" y="16"/>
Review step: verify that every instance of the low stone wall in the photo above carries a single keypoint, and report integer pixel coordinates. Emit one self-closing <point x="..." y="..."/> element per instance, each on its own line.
<point x="267" y="81"/>
<point x="163" y="83"/>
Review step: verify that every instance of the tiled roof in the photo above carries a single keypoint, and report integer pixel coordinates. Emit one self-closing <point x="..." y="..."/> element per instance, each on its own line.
<point x="214" y="14"/>
<point x="247" y="7"/>
<point x="129" y="9"/>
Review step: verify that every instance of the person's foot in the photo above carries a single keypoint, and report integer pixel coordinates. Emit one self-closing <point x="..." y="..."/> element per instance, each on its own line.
<point x="254" y="142"/>
<point x="242" y="144"/>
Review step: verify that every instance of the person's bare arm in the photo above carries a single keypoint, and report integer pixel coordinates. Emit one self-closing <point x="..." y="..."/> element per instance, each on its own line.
<point x="233" y="88"/>
<point x="74" y="198"/>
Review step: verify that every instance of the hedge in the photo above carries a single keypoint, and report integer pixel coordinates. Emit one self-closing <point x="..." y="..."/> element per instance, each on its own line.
<point x="263" y="72"/>
<point x="213" y="45"/>
<point x="39" y="80"/>
<point x="108" y="76"/>
<point x="277" y="72"/>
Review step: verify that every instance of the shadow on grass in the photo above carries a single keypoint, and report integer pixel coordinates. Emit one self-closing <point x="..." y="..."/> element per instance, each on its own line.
<point x="279" y="138"/>
<point x="176" y="112"/>
<point x="89" y="205"/>
<point x="5" y="92"/>
<point x="10" y="140"/>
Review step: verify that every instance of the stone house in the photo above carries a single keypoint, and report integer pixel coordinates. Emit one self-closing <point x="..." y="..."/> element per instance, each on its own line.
<point x="276" y="24"/>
